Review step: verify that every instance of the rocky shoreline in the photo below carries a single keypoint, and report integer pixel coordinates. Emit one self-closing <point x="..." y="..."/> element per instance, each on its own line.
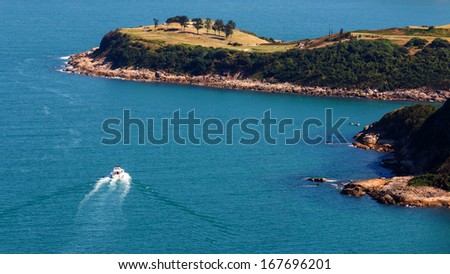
<point x="417" y="137"/>
<point x="371" y="141"/>
<point x="84" y="63"/>
<point x="396" y="191"/>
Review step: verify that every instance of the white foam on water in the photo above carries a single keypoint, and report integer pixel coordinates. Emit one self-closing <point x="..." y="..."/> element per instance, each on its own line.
<point x="97" y="186"/>
<point x="124" y="183"/>
<point x="64" y="57"/>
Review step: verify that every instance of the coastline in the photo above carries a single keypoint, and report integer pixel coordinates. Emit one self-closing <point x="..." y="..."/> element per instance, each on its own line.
<point x="85" y="64"/>
<point x="396" y="191"/>
<point x="416" y="137"/>
<point x="393" y="191"/>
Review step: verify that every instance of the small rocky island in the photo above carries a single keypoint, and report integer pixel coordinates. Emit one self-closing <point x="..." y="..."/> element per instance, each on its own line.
<point x="419" y="139"/>
<point x="388" y="64"/>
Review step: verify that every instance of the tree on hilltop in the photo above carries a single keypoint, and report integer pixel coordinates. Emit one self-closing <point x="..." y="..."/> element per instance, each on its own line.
<point x="218" y="25"/>
<point x="232" y="24"/>
<point x="155" y="21"/>
<point x="198" y="23"/>
<point x="184" y="21"/>
<point x="180" y="19"/>
<point x="208" y="24"/>
<point x="172" y="20"/>
<point x="341" y="34"/>
<point x="229" y="27"/>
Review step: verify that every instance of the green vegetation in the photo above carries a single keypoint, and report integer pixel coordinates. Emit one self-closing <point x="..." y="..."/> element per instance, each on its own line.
<point x="401" y="36"/>
<point x="352" y="64"/>
<point x="228" y="29"/>
<point x="180" y="19"/>
<point x="440" y="43"/>
<point x="218" y="26"/>
<point x="412" y="31"/>
<point x="429" y="147"/>
<point x="441" y="180"/>
<point x="341" y="60"/>
<point x="208" y="25"/>
<point x="400" y="124"/>
<point x="416" y="42"/>
<point x="420" y="136"/>
<point x="198" y="24"/>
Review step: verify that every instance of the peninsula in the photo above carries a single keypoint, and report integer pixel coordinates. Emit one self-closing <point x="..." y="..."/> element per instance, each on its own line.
<point x="408" y="63"/>
<point x="419" y="138"/>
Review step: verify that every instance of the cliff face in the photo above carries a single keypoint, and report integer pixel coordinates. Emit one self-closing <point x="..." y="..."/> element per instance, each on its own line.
<point x="429" y="149"/>
<point x="419" y="138"/>
<point x="394" y="130"/>
<point x="418" y="135"/>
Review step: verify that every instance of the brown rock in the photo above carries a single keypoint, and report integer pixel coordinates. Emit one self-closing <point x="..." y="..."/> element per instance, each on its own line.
<point x="359" y="145"/>
<point x="320" y="180"/>
<point x="370" y="139"/>
<point x="397" y="191"/>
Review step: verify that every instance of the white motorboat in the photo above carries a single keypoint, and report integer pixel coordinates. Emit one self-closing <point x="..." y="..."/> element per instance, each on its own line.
<point x="117" y="173"/>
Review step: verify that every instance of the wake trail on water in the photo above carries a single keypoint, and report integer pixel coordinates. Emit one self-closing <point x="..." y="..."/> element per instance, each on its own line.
<point x="123" y="184"/>
<point x="126" y="183"/>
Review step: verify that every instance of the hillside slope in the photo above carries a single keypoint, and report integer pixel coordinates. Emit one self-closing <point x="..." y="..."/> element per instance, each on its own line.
<point x="419" y="136"/>
<point x="354" y="64"/>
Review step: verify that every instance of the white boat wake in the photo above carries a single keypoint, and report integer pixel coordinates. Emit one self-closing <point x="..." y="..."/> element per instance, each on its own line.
<point x="122" y="183"/>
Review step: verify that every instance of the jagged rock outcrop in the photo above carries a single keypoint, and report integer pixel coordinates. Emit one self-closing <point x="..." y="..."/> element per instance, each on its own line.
<point x="397" y="191"/>
<point x="361" y="188"/>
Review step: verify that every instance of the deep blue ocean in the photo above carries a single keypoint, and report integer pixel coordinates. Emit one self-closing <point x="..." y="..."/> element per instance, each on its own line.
<point x="187" y="198"/>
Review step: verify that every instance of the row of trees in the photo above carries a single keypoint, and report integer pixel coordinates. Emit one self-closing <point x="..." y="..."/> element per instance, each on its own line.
<point x="183" y="20"/>
<point x="218" y="26"/>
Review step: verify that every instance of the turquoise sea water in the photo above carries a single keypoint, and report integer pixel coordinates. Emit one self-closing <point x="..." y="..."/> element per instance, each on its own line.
<point x="186" y="199"/>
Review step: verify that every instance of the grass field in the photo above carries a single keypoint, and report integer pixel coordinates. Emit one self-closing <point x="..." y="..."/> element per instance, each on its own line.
<point x="173" y="34"/>
<point x="401" y="36"/>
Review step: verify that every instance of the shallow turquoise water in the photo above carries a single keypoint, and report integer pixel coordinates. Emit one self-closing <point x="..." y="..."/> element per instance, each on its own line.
<point x="186" y="199"/>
